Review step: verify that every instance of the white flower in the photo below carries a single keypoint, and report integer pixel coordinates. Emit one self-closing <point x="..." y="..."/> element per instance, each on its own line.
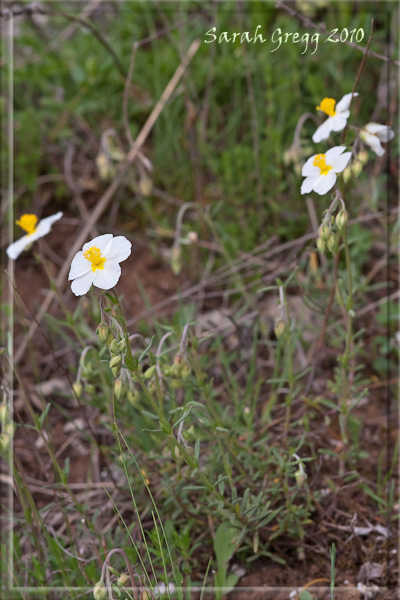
<point x="320" y="170"/>
<point x="373" y="134"/>
<point x="337" y="116"/>
<point x="98" y="263"/>
<point x="35" y="230"/>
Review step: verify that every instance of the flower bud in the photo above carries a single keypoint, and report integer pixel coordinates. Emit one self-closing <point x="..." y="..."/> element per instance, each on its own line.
<point x="192" y="237"/>
<point x="116" y="371"/>
<point x="332" y="243"/>
<point x="105" y="167"/>
<point x="122" y="345"/>
<point x="99" y="591"/>
<point x="9" y="428"/>
<point x="123" y="579"/>
<point x="145" y="185"/>
<point x="3" y="413"/>
<point x="324" y="231"/>
<point x="115" y="362"/>
<point x="300" y="477"/>
<point x="176" y="260"/>
<point x="133" y="397"/>
<point x="102" y="332"/>
<point x="341" y="219"/>
<point x="113" y="347"/>
<point x="77" y="387"/>
<point x="280" y="329"/>
<point x="347" y="174"/>
<point x="185" y="370"/>
<point x="321" y="245"/>
<point x="362" y="157"/>
<point x="118" y="386"/>
<point x="4" y="442"/>
<point x="356" y="168"/>
<point x="148" y="374"/>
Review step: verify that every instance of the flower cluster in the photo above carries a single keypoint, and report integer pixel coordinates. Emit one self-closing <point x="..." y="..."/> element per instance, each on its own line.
<point x="320" y="171"/>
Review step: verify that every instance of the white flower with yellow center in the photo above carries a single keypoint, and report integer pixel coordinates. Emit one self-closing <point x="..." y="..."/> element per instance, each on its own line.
<point x="34" y="231"/>
<point x="337" y="116"/>
<point x="320" y="170"/>
<point x="98" y="263"/>
<point x="373" y="134"/>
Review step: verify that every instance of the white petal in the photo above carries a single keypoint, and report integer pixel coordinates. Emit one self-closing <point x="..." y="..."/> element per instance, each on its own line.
<point x="308" y="184"/>
<point x="79" y="266"/>
<point x="333" y="153"/>
<point x="45" y="224"/>
<point x="374" y="127"/>
<point x="81" y="285"/>
<point x="339" y="121"/>
<point x="108" y="277"/>
<point x="101" y="241"/>
<point x="15" y="249"/>
<point x="309" y="168"/>
<point x="339" y="163"/>
<point x="386" y="135"/>
<point x="373" y="141"/>
<point x="324" y="183"/>
<point x="119" y="249"/>
<point x="323" y="131"/>
<point x="344" y="103"/>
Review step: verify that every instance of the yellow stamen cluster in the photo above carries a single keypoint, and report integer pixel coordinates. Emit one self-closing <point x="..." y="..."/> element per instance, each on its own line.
<point x="28" y="223"/>
<point x="93" y="254"/>
<point x="320" y="162"/>
<point x="328" y="106"/>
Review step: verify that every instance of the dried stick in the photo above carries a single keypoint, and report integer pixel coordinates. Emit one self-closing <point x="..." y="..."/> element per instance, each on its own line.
<point x="108" y="194"/>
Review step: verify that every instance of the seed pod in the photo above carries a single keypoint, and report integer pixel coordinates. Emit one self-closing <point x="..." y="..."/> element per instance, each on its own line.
<point x="102" y="332"/>
<point x="341" y="219"/>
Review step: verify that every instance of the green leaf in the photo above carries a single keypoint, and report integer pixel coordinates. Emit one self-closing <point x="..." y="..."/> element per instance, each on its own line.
<point x="304" y="595"/>
<point x="224" y="543"/>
